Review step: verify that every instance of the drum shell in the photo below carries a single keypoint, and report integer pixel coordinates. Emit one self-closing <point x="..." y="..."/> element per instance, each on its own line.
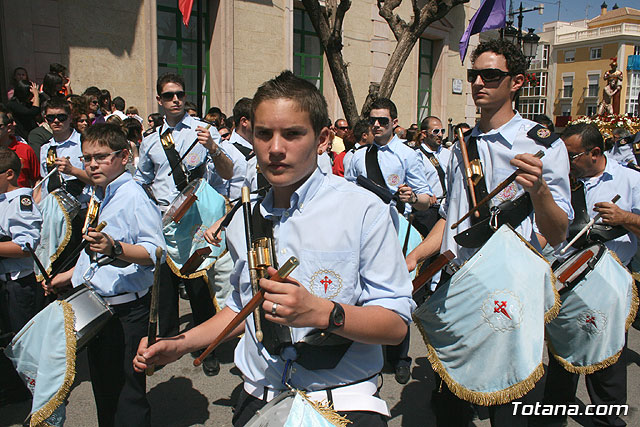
<point x="91" y="313"/>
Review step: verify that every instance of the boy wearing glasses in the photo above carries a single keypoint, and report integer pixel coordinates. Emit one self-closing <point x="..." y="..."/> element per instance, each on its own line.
<point x="504" y="142"/>
<point x="119" y="267"/>
<point x="389" y="162"/>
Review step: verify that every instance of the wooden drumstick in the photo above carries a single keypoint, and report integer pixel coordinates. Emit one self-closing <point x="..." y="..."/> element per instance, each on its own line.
<point x="586" y="227"/>
<point x="467" y="169"/>
<point x="45" y="177"/>
<point x="153" y="310"/>
<point x="252" y="305"/>
<point x="498" y="189"/>
<point x="75" y="253"/>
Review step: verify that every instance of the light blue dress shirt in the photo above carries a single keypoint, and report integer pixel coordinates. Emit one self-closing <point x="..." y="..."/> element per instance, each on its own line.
<point x="399" y="165"/>
<point x="235" y="137"/>
<point x="230" y="188"/>
<point x="622" y="153"/>
<point x="71" y="148"/>
<point x="616" y="179"/>
<point x="443" y="155"/>
<point x="153" y="165"/>
<point x="349" y="252"/>
<point x="496" y="149"/>
<point x="131" y="218"/>
<point x="22" y="226"/>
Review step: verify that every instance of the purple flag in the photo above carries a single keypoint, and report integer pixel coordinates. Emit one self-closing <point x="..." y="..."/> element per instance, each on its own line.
<point x="491" y="15"/>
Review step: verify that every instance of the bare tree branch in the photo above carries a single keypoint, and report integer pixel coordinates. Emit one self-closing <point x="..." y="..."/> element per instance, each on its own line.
<point x="397" y="24"/>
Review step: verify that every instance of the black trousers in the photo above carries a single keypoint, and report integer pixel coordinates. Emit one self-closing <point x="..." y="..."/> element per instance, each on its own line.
<point x="20" y="300"/>
<point x="200" y="299"/>
<point x="607" y="386"/>
<point x="247" y="406"/>
<point x="398" y="355"/>
<point x="119" y="391"/>
<point x="451" y="411"/>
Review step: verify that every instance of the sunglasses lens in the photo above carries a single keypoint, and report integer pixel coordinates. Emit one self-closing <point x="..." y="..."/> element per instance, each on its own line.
<point x="168" y="96"/>
<point x="490" y="75"/>
<point x="472" y="75"/>
<point x="383" y="121"/>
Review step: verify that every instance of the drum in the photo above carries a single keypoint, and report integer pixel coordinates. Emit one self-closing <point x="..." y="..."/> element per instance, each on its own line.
<point x="292" y="409"/>
<point x="413" y="240"/>
<point x="58" y="209"/>
<point x="91" y="313"/>
<point x="599" y="302"/>
<point x="493" y="308"/>
<point x="194" y="210"/>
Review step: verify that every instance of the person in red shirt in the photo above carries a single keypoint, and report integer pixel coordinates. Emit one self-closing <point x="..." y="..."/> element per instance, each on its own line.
<point x="30" y="172"/>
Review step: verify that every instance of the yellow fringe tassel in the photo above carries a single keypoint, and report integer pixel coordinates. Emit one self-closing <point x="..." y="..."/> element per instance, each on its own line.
<point x="499" y="397"/>
<point x="38" y="418"/>
<point x="325" y="409"/>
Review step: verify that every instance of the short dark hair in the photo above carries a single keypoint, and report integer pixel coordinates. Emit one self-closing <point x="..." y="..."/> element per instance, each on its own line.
<point x="242" y="109"/>
<point x="157" y="119"/>
<point x="22" y="90"/>
<point x="188" y="105"/>
<point x="57" y="68"/>
<point x="384" y="104"/>
<point x="133" y="128"/>
<point x="58" y="102"/>
<point x="105" y="96"/>
<point x="50" y="82"/>
<point x="361" y="127"/>
<point x="425" y="122"/>
<point x="336" y="122"/>
<point x="544" y="121"/>
<point x="10" y="160"/>
<point x="620" y="132"/>
<point x="92" y="91"/>
<point x="590" y="136"/>
<point x="106" y="134"/>
<point x="169" y="78"/>
<point x="304" y="93"/>
<point x="516" y="62"/>
<point x="119" y="103"/>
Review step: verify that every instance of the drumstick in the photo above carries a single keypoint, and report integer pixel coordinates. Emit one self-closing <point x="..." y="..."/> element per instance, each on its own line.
<point x="467" y="167"/>
<point x="43" y="270"/>
<point x="437" y="265"/>
<point x="193" y="144"/>
<point x="153" y="310"/>
<point x="252" y="305"/>
<point x="75" y="253"/>
<point x="45" y="178"/>
<point x="586" y="227"/>
<point x="488" y="197"/>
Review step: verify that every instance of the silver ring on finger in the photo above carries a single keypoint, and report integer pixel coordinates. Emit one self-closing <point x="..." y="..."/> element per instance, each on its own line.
<point x="274" y="307"/>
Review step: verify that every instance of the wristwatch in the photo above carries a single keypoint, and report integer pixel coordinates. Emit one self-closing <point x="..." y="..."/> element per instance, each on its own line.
<point x="116" y="249"/>
<point x="216" y="153"/>
<point x="336" y="318"/>
<point x="414" y="199"/>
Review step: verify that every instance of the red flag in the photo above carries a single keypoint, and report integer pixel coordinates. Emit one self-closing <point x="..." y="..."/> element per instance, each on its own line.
<point x="185" y="7"/>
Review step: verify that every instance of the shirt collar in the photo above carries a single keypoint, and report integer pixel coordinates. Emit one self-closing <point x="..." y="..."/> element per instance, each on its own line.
<point x="10" y="195"/>
<point x="389" y="145"/>
<point x="73" y="138"/>
<point x="505" y="133"/>
<point x="186" y="121"/>
<point x="236" y="137"/>
<point x="299" y="199"/>
<point x="113" y="186"/>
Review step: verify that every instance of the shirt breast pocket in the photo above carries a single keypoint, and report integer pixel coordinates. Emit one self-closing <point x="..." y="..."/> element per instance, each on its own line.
<point x="330" y="275"/>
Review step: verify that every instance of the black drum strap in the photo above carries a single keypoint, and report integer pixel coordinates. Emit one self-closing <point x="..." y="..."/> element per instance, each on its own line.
<point x="480" y="189"/>
<point x="599" y="232"/>
<point x="375" y="174"/>
<point x="436" y="164"/>
<point x="168" y="145"/>
<point x="246" y="151"/>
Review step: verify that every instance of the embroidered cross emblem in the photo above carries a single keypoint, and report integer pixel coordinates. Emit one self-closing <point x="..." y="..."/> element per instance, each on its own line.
<point x="592" y="320"/>
<point x="501" y="307"/>
<point x="326" y="282"/>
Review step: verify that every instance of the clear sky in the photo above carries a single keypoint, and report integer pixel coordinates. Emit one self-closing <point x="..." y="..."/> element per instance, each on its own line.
<point x="570" y="10"/>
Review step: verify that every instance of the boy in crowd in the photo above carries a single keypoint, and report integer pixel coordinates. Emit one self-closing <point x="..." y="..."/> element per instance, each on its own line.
<point x="120" y="269"/>
<point x="354" y="287"/>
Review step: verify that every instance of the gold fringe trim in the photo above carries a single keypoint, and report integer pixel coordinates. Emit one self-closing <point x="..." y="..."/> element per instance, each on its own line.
<point x="195" y="274"/>
<point x="633" y="310"/>
<point x="39" y="417"/>
<point x="553" y="312"/>
<point x="585" y="370"/>
<point x="63" y="244"/>
<point x="325" y="409"/>
<point x="499" y="397"/>
<point x="210" y="286"/>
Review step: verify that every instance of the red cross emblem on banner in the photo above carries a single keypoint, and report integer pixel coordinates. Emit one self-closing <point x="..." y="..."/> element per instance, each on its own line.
<point x="501" y="307"/>
<point x="326" y="282"/>
<point x="592" y="320"/>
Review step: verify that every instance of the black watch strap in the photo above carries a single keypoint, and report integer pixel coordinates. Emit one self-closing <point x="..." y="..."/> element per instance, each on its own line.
<point x="116" y="249"/>
<point x="336" y="318"/>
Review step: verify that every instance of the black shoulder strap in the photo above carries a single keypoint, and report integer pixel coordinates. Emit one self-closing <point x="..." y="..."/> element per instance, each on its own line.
<point x="373" y="167"/>
<point x="436" y="164"/>
<point x="480" y="188"/>
<point x="246" y="151"/>
<point x="542" y="135"/>
<point x="169" y="147"/>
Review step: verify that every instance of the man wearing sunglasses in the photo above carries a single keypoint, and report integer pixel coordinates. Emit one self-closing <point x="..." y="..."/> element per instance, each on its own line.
<point x="602" y="178"/>
<point x="503" y="142"/>
<point x="158" y="153"/>
<point x="63" y="152"/>
<point x="389" y="162"/>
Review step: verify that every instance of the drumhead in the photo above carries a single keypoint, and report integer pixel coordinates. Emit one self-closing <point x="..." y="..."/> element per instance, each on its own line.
<point x="274" y="413"/>
<point x="67" y="202"/>
<point x="168" y="216"/>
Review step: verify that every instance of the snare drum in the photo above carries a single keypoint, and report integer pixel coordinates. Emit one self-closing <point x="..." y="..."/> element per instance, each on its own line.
<point x="291" y="409"/>
<point x="599" y="302"/>
<point x="58" y="209"/>
<point x="91" y="313"/>
<point x="192" y="212"/>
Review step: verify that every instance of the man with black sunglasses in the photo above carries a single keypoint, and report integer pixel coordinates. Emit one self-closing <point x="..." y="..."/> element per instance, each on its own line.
<point x="502" y="142"/>
<point x="389" y="162"/>
<point x="160" y="154"/>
